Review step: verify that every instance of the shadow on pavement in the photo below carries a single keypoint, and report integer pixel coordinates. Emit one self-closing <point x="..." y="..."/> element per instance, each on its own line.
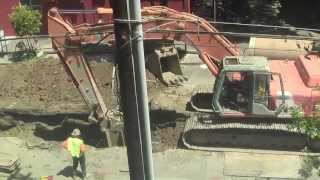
<point x="67" y="172"/>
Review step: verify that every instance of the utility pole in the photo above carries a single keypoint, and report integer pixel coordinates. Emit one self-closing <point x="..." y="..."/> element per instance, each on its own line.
<point x="133" y="88"/>
<point x="214" y="10"/>
<point x="141" y="83"/>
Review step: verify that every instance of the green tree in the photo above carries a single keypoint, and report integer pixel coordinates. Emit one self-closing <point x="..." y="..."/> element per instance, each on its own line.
<point x="264" y="11"/>
<point x="309" y="125"/>
<point x="26" y="22"/>
<point x="245" y="11"/>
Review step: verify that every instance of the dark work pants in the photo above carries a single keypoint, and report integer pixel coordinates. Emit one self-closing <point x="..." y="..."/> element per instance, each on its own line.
<point x="82" y="160"/>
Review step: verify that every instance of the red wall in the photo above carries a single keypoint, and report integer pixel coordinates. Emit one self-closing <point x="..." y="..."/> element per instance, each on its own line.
<point x="75" y="19"/>
<point x="5" y="9"/>
<point x="180" y="5"/>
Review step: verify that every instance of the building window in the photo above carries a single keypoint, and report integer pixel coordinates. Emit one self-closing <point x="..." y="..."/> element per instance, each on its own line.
<point x="34" y="4"/>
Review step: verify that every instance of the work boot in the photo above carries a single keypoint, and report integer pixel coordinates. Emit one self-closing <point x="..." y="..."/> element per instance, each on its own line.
<point x="74" y="174"/>
<point x="85" y="176"/>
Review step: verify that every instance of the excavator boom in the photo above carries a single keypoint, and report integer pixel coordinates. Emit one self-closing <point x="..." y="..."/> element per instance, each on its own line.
<point x="68" y="46"/>
<point x="68" y="40"/>
<point x="212" y="46"/>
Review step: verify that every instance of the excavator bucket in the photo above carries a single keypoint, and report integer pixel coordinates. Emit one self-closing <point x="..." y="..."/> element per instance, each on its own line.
<point x="112" y="127"/>
<point x="114" y="136"/>
<point x="164" y="64"/>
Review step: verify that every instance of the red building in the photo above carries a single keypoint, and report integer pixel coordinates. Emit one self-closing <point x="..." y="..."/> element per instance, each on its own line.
<point x="5" y="9"/>
<point x="87" y="15"/>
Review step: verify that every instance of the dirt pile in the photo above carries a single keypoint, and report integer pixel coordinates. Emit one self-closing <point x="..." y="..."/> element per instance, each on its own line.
<point x="46" y="83"/>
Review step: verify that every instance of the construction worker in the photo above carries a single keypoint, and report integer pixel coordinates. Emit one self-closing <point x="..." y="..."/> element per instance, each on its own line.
<point x="76" y="148"/>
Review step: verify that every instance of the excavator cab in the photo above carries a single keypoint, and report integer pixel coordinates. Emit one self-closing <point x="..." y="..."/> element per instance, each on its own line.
<point x="243" y="88"/>
<point x="247" y="110"/>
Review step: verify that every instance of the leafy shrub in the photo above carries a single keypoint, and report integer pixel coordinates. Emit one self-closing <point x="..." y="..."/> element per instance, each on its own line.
<point x="26" y="22"/>
<point x="309" y="125"/>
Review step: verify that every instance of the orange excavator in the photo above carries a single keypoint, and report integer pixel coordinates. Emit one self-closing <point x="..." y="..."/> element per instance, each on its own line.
<point x="163" y="62"/>
<point x="252" y="92"/>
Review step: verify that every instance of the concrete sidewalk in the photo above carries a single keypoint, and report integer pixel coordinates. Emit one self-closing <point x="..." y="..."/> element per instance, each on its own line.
<point x="178" y="164"/>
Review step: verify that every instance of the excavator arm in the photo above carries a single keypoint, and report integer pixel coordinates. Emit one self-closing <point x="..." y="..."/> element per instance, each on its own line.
<point x="68" y="40"/>
<point x="166" y="23"/>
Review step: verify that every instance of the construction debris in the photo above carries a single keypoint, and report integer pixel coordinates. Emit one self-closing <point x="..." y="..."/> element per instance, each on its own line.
<point x="8" y="163"/>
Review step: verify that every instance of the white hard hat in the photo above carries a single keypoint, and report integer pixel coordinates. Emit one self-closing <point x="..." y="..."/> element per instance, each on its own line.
<point x="76" y="132"/>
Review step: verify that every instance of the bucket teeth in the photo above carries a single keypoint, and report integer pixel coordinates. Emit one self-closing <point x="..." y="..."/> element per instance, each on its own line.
<point x="176" y="80"/>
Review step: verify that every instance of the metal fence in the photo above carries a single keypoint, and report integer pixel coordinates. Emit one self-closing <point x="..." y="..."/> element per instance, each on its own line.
<point x="12" y="45"/>
<point x="3" y="44"/>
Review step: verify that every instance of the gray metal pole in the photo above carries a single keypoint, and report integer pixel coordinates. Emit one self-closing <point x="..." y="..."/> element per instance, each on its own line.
<point x="128" y="93"/>
<point x="139" y="66"/>
<point x="215" y="10"/>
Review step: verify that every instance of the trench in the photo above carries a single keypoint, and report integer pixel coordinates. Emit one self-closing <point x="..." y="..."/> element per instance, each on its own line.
<point x="166" y="127"/>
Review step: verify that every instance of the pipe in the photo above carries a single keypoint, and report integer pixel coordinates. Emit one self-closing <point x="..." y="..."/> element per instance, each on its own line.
<point x="141" y="85"/>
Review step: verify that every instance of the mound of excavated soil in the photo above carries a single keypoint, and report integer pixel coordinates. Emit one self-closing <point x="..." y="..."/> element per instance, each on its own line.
<point x="45" y="83"/>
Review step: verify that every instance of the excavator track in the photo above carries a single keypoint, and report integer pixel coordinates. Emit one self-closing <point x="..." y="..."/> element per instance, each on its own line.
<point x="205" y="132"/>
